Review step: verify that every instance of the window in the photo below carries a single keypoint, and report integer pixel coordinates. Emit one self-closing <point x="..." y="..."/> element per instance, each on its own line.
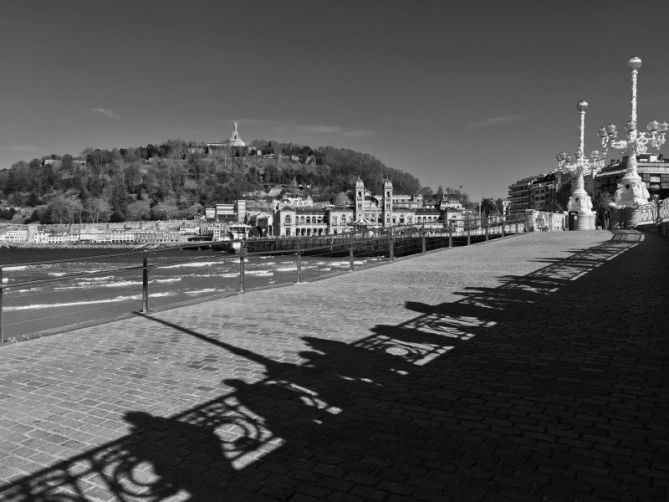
<point x="288" y="220"/>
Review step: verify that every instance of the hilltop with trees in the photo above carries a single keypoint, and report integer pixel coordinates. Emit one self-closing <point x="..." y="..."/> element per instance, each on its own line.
<point x="177" y="179"/>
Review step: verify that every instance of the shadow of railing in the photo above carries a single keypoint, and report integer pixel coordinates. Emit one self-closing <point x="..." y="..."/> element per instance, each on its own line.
<point x="389" y="414"/>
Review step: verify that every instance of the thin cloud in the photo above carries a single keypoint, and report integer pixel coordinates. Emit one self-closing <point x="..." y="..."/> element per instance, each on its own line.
<point x="106" y="112"/>
<point x="492" y="121"/>
<point x="334" y="130"/>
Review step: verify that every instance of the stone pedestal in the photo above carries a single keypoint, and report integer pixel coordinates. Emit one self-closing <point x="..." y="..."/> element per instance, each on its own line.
<point x="586" y="221"/>
<point x="625" y="217"/>
<point x="631" y="217"/>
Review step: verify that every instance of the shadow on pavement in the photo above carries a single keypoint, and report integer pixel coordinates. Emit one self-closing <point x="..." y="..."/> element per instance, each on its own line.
<point x="543" y="389"/>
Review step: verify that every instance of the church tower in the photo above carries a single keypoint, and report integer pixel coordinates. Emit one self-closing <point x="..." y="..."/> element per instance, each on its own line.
<point x="387" y="202"/>
<point x="359" y="198"/>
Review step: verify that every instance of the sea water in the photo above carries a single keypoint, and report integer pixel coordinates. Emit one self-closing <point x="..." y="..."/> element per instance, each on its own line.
<point x="45" y="290"/>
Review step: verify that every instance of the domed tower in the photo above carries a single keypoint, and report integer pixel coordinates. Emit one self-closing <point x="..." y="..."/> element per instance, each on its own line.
<point x="359" y="198"/>
<point x="387" y="202"/>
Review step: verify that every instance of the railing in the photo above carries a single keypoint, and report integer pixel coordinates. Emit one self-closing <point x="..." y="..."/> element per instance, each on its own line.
<point x="42" y="297"/>
<point x="654" y="216"/>
<point x="647" y="213"/>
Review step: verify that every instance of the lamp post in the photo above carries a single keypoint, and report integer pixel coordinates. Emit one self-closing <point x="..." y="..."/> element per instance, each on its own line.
<point x="632" y="191"/>
<point x="580" y="200"/>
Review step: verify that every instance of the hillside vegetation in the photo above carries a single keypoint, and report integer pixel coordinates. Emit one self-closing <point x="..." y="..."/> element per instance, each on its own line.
<point x="176" y="180"/>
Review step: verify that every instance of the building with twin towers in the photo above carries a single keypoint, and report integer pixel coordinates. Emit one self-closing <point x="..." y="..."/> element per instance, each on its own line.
<point x="369" y="212"/>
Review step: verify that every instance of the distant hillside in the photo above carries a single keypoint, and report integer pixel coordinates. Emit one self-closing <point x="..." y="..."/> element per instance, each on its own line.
<point x="177" y="179"/>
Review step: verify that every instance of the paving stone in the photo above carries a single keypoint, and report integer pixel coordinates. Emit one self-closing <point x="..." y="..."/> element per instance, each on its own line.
<point x="529" y="368"/>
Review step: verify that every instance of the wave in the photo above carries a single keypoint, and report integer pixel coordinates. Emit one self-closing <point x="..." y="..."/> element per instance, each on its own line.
<point x="116" y="299"/>
<point x="89" y="284"/>
<point x="172" y="279"/>
<point x="260" y="273"/>
<point x="196" y="292"/>
<point x="101" y="278"/>
<point x="190" y="265"/>
<point x="17" y="268"/>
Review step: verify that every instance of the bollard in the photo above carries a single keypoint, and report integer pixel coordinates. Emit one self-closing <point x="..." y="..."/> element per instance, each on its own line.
<point x="450" y="235"/>
<point x="145" y="284"/>
<point x="2" y="292"/>
<point x="242" y="255"/>
<point x="423" y="243"/>
<point x="350" y="256"/>
<point x="299" y="262"/>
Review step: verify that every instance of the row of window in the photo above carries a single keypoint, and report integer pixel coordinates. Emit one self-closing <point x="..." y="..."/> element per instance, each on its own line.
<point x="315" y="220"/>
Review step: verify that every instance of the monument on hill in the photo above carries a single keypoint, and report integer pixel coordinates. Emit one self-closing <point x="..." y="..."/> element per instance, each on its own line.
<point x="235" y="140"/>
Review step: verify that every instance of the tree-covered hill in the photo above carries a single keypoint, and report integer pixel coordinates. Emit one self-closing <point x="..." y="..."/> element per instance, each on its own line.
<point x="177" y="179"/>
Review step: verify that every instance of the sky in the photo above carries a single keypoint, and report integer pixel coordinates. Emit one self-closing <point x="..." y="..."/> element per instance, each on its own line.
<point x="475" y="94"/>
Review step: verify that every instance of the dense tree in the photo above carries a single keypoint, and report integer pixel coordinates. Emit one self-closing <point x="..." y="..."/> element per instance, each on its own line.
<point x="97" y="209"/>
<point x="65" y="209"/>
<point x="552" y="206"/>
<point x="174" y="179"/>
<point x="499" y="204"/>
<point x="488" y="206"/>
<point x="165" y="210"/>
<point x="138" y="210"/>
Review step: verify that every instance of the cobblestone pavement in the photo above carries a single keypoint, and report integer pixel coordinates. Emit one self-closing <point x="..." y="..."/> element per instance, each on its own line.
<point x="532" y="368"/>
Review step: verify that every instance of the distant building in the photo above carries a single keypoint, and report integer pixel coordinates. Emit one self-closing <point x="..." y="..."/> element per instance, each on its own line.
<point x="543" y="190"/>
<point x="519" y="195"/>
<point x="14" y="236"/>
<point x="300" y="216"/>
<point x="536" y="192"/>
<point x="653" y="169"/>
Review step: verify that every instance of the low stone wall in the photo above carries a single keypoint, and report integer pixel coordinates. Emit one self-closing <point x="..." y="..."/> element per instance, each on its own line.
<point x="542" y="221"/>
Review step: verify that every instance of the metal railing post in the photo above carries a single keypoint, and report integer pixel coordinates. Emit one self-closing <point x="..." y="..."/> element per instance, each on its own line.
<point x="145" y="283"/>
<point x="423" y="244"/>
<point x="469" y="235"/>
<point x="487" y="228"/>
<point x="242" y="274"/>
<point x="350" y="255"/>
<point x="391" y="248"/>
<point x="503" y="229"/>
<point x="2" y="293"/>
<point x="299" y="262"/>
<point x="450" y="235"/>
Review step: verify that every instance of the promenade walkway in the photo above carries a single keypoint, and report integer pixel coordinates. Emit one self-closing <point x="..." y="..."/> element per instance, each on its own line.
<point x="531" y="368"/>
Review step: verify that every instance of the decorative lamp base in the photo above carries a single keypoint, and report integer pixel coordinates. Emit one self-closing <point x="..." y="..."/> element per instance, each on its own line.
<point x="632" y="192"/>
<point x="625" y="217"/>
<point x="585" y="221"/>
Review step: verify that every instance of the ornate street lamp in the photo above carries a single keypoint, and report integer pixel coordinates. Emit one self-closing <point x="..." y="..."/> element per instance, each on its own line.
<point x="632" y="191"/>
<point x="580" y="200"/>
